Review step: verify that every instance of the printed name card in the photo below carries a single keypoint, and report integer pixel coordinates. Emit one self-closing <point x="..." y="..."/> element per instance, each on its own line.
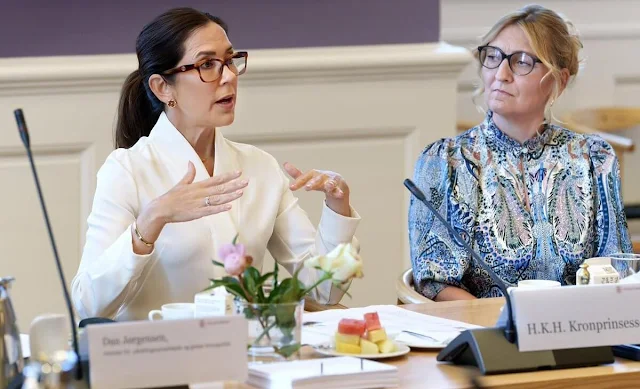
<point x="146" y="354"/>
<point x="577" y="316"/>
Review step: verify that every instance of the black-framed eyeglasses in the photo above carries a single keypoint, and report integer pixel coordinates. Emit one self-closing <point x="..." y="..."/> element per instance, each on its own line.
<point x="210" y="69"/>
<point x="520" y="62"/>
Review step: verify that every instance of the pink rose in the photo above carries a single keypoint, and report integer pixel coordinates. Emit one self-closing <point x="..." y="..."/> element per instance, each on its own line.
<point x="234" y="259"/>
<point x="230" y="248"/>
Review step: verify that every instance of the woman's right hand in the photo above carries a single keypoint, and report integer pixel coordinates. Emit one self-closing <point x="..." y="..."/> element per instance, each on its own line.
<point x="187" y="201"/>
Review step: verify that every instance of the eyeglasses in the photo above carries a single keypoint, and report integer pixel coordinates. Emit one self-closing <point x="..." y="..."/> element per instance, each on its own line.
<point x="210" y="69"/>
<point x="520" y="63"/>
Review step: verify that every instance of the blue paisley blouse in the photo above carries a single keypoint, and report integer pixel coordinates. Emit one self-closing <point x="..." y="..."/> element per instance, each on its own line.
<point x="532" y="210"/>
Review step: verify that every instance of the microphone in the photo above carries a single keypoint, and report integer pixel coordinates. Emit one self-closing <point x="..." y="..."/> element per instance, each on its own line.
<point x="24" y="134"/>
<point x="494" y="350"/>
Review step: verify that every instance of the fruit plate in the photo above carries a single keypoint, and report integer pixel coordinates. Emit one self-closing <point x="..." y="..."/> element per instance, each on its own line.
<point x="328" y="349"/>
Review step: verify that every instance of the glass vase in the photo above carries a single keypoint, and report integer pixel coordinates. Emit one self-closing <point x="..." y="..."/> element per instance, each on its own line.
<point x="275" y="330"/>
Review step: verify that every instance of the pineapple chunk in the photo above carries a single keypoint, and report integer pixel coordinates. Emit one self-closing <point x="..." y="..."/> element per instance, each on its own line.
<point x="368" y="347"/>
<point x="386" y="346"/>
<point x="347" y="339"/>
<point x="376" y="336"/>
<point x="348" y="348"/>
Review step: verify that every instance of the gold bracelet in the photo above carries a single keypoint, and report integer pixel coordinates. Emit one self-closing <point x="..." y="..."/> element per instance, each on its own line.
<point x="135" y="229"/>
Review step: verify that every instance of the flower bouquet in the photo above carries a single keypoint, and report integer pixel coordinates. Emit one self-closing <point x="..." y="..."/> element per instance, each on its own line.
<point x="272" y="306"/>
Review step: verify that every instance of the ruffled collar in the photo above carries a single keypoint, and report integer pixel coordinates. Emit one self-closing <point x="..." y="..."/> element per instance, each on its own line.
<point x="507" y="143"/>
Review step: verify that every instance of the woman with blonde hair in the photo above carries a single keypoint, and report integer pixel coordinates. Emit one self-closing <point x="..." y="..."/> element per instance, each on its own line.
<point x="532" y="198"/>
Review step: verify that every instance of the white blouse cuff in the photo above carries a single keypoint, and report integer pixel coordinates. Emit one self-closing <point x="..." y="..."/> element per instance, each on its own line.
<point x="138" y="261"/>
<point x="336" y="228"/>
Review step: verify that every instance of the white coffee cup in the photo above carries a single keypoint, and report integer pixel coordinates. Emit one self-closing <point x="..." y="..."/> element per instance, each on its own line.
<point x="538" y="284"/>
<point x="173" y="311"/>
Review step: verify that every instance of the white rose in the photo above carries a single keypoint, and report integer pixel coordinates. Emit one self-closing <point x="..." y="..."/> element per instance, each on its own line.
<point x="343" y="262"/>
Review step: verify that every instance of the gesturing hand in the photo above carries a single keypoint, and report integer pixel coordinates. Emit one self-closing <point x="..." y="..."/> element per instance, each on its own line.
<point x="188" y="200"/>
<point x="331" y="183"/>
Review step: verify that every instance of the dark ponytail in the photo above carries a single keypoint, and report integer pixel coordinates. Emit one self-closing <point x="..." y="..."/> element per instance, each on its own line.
<point x="136" y="116"/>
<point x="159" y="47"/>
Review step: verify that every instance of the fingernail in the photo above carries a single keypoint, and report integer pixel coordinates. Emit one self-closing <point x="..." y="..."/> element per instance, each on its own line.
<point x="308" y="186"/>
<point x="239" y="192"/>
<point x="244" y="182"/>
<point x="227" y="207"/>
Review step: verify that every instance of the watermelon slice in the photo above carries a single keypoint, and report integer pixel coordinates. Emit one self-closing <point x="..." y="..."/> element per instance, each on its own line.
<point x="372" y="320"/>
<point x="352" y="327"/>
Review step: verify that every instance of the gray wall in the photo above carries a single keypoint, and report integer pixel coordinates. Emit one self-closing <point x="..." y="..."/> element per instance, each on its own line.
<point x="76" y="27"/>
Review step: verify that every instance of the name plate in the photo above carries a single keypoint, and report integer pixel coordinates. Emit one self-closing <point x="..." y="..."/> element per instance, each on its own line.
<point x="147" y="354"/>
<point x="577" y="316"/>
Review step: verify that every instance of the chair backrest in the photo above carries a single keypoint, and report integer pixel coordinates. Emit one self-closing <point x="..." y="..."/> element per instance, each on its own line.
<point x="602" y="121"/>
<point x="405" y="291"/>
<point x="605" y="119"/>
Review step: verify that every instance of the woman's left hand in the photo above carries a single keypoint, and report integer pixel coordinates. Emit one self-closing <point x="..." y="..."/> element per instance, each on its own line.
<point x="332" y="184"/>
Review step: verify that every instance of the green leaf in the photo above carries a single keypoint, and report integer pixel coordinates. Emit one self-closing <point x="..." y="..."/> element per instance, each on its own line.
<point x="236" y="290"/>
<point x="293" y="292"/>
<point x="275" y="274"/>
<point x="249" y="313"/>
<point x="251" y="276"/>
<point x="260" y="298"/>
<point x="235" y="239"/>
<point x="217" y="263"/>
<point x="286" y="318"/>
<point x="264" y="278"/>
<point x="276" y="294"/>
<point x="287" y="334"/>
<point x="289" y="350"/>
<point x="231" y="284"/>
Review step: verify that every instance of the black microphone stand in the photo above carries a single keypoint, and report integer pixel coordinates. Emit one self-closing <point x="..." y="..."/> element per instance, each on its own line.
<point x="24" y="134"/>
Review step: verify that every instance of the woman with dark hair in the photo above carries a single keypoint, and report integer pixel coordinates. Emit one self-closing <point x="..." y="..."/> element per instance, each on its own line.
<point x="175" y="189"/>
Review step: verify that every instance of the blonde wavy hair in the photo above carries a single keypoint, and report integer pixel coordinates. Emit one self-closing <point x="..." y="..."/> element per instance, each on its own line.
<point x="554" y="40"/>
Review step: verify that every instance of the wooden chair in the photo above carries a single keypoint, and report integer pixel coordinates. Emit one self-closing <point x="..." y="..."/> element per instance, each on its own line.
<point x="603" y="121"/>
<point x="405" y="291"/>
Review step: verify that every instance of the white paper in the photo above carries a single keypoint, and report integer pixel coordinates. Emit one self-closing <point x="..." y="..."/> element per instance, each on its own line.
<point x="338" y="372"/>
<point x="577" y="316"/>
<point x="393" y="318"/>
<point x="439" y="339"/>
<point x="167" y="353"/>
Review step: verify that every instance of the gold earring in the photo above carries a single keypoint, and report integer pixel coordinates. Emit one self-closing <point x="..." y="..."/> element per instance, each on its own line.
<point x="171" y="103"/>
